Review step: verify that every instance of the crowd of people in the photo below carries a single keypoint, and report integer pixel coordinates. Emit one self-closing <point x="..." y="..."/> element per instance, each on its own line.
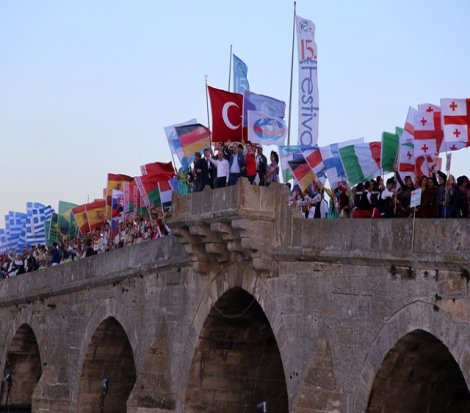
<point x="133" y="230"/>
<point x="442" y="196"/>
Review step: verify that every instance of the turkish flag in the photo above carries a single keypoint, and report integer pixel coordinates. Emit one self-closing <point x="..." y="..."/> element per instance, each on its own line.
<point x="226" y="115"/>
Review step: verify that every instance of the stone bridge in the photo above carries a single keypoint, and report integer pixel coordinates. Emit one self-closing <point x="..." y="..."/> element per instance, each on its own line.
<point x="248" y="302"/>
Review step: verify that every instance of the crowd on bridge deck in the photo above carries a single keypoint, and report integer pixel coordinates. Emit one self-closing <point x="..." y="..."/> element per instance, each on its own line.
<point x="442" y="196"/>
<point x="133" y="231"/>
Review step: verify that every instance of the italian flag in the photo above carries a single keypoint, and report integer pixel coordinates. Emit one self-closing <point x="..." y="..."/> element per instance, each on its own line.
<point x="361" y="162"/>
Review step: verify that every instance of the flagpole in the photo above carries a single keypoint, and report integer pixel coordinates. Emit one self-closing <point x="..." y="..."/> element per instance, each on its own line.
<point x="230" y="69"/>
<point x="207" y="107"/>
<point x="291" y="77"/>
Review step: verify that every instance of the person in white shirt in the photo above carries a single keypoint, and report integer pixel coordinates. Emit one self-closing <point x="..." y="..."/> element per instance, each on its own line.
<point x="223" y="169"/>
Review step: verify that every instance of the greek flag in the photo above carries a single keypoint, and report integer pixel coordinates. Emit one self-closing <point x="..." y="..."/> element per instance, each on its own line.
<point x="37" y="214"/>
<point x="3" y="241"/>
<point x="14" y="226"/>
<point x="240" y="76"/>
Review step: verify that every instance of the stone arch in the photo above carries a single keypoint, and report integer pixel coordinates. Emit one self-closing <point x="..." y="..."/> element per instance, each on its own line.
<point x="416" y="326"/>
<point x="108" y="309"/>
<point x="109" y="356"/>
<point x="22" y="362"/>
<point x="237" y="289"/>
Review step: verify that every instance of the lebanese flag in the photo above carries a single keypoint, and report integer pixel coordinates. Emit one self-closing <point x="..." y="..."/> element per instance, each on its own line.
<point x="302" y="173"/>
<point x="456" y="123"/>
<point x="164" y="168"/>
<point x="406" y="153"/>
<point x="226" y="110"/>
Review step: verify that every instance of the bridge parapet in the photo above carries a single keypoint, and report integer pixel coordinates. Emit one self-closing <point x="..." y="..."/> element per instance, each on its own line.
<point x="238" y="223"/>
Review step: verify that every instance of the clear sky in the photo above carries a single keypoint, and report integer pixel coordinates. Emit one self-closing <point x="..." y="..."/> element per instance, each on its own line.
<point x="87" y="86"/>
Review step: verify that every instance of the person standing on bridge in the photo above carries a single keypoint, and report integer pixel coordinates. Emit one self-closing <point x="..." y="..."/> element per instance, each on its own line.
<point x="236" y="163"/>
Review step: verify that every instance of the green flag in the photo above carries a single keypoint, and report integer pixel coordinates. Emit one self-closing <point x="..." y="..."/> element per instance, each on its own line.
<point x="53" y="234"/>
<point x="65" y="209"/>
<point x="390" y="142"/>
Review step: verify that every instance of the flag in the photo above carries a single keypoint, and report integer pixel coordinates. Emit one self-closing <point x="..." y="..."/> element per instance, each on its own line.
<point x="165" y="169"/>
<point x="240" y="75"/>
<point x="388" y="157"/>
<point x="165" y="193"/>
<point x="286" y="154"/>
<point x="96" y="213"/>
<point x="37" y="214"/>
<point x="175" y="145"/>
<point x="193" y="138"/>
<point x="175" y="183"/>
<point x="115" y="181"/>
<point x="456" y="123"/>
<point x="53" y="233"/>
<point x="302" y="173"/>
<point x="148" y="188"/>
<point x="265" y="104"/>
<point x="80" y="215"/>
<point x="264" y="129"/>
<point x="361" y="162"/>
<point x="406" y="154"/>
<point x="226" y="108"/>
<point x="308" y="83"/>
<point x="3" y="241"/>
<point x="14" y="225"/>
<point x="65" y="213"/>
<point x="117" y="203"/>
<point x="315" y="162"/>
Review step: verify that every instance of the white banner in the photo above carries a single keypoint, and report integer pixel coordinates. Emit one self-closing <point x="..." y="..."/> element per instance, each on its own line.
<point x="308" y="83"/>
<point x="266" y="130"/>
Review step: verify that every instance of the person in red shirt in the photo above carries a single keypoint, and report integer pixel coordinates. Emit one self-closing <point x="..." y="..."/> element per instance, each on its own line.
<point x="250" y="162"/>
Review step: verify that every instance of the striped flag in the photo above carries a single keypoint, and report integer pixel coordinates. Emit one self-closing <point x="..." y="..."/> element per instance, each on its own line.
<point x="80" y="215"/>
<point x="163" y="168"/>
<point x="36" y="216"/>
<point x="361" y="161"/>
<point x="390" y="144"/>
<point x="65" y="214"/>
<point x="302" y="173"/>
<point x="315" y="161"/>
<point x="95" y="212"/>
<point x="15" y="223"/>
<point x="148" y="188"/>
<point x="193" y="138"/>
<point x="3" y="241"/>
<point x="286" y="154"/>
<point x="115" y="181"/>
<point x="175" y="144"/>
<point x="165" y="189"/>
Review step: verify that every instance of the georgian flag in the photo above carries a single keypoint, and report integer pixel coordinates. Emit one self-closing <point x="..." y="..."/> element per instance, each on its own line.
<point x="427" y="126"/>
<point x="456" y="123"/>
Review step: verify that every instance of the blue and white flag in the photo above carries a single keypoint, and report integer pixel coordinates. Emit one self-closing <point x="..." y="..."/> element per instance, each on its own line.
<point x="3" y="241"/>
<point x="286" y="154"/>
<point x="333" y="166"/>
<point x="37" y="214"/>
<point x="240" y="75"/>
<point x="14" y="226"/>
<point x="264" y="104"/>
<point x="266" y="130"/>
<point x="175" y="144"/>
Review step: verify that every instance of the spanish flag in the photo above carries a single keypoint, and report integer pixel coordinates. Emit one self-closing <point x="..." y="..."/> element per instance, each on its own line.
<point x="115" y="181"/>
<point x="79" y="212"/>
<point x="96" y="214"/>
<point x="193" y="138"/>
<point x="302" y="173"/>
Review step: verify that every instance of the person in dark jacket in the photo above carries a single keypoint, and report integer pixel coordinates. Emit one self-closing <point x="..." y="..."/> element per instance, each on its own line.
<point x="236" y="162"/>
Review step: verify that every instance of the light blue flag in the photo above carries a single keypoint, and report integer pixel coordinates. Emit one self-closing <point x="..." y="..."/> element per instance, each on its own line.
<point x="175" y="145"/>
<point x="264" y="104"/>
<point x="240" y="75"/>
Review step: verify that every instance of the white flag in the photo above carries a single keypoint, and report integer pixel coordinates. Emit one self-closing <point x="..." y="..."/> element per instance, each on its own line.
<point x="264" y="129"/>
<point x="308" y="83"/>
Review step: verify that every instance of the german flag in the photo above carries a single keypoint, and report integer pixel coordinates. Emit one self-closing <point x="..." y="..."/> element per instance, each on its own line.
<point x="81" y="219"/>
<point x="115" y="181"/>
<point x="193" y="138"/>
<point x="302" y="173"/>
<point x="96" y="214"/>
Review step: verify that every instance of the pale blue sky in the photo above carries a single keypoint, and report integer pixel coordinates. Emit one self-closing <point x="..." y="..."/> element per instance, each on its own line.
<point x="87" y="86"/>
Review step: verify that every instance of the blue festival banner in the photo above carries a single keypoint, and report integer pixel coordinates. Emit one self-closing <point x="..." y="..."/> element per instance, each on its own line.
<point x="240" y="75"/>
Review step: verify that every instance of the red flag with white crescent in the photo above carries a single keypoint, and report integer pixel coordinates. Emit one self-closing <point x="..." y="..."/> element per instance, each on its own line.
<point x="226" y="115"/>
